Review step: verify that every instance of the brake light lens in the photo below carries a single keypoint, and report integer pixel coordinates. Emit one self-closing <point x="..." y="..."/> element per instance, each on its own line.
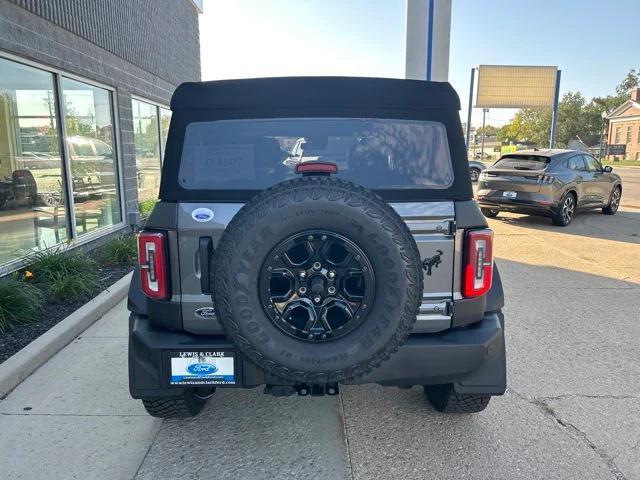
<point x="152" y="256"/>
<point x="317" y="168"/>
<point x="545" y="179"/>
<point x="478" y="263"/>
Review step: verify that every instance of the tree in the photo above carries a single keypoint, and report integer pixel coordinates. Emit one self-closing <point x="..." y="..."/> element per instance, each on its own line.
<point x="490" y="130"/>
<point x="631" y="81"/>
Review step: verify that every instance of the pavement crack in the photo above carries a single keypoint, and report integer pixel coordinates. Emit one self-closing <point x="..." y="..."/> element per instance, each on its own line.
<point x="574" y="431"/>
<point x="583" y="395"/>
<point x="346" y="435"/>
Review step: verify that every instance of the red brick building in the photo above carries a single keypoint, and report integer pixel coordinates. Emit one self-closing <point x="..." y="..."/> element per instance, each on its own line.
<point x="624" y="126"/>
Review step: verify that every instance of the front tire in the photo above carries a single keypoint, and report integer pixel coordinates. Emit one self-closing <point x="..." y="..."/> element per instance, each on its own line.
<point x="474" y="173"/>
<point x="490" y="212"/>
<point x="189" y="404"/>
<point x="445" y="400"/>
<point x="614" y="202"/>
<point x="566" y="211"/>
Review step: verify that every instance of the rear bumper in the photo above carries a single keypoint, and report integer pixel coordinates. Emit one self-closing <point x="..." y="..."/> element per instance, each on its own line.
<point x="472" y="358"/>
<point x="526" y="202"/>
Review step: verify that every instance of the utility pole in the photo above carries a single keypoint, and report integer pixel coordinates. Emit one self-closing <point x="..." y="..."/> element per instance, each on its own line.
<point x="484" y="113"/>
<point x="604" y="115"/>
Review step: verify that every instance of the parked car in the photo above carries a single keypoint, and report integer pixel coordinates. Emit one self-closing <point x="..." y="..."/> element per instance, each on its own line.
<point x="555" y="183"/>
<point x="305" y="277"/>
<point x="475" y="168"/>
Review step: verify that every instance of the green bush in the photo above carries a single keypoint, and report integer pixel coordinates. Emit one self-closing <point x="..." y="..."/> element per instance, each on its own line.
<point x="64" y="276"/>
<point x="122" y="249"/>
<point x="19" y="303"/>
<point x="146" y="207"/>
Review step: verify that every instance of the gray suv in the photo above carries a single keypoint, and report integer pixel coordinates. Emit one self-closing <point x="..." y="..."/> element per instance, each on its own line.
<point x="368" y="263"/>
<point x="554" y="183"/>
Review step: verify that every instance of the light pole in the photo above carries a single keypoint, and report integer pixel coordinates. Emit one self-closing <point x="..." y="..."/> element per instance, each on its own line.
<point x="484" y="113"/>
<point x="602" y="148"/>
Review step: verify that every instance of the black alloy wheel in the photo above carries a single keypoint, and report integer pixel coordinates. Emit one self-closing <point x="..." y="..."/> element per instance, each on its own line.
<point x="566" y="210"/>
<point x="316" y="285"/>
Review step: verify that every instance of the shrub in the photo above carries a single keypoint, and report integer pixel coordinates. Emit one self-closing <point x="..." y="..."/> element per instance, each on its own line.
<point x="19" y="303"/>
<point x="64" y="276"/>
<point x="146" y="207"/>
<point x="122" y="249"/>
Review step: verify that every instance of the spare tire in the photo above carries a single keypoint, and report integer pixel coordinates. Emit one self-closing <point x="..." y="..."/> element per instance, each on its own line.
<point x="317" y="280"/>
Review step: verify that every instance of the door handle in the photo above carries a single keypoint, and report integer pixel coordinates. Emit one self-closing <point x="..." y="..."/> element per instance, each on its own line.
<point x="205" y="253"/>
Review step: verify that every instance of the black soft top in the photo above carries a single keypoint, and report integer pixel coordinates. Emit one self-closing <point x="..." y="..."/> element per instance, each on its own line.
<point x="304" y="97"/>
<point x="315" y="91"/>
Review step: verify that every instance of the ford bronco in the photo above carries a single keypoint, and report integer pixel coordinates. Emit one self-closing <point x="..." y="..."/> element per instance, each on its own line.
<point x="311" y="233"/>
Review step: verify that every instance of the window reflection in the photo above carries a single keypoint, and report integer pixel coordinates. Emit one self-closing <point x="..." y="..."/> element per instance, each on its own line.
<point x="90" y="145"/>
<point x="146" y="139"/>
<point x="32" y="210"/>
<point x="165" y="120"/>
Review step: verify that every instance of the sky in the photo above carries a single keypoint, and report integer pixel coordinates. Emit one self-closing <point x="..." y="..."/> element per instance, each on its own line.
<point x="589" y="40"/>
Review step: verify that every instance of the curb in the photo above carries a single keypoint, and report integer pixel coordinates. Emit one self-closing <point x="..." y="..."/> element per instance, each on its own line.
<point x="23" y="363"/>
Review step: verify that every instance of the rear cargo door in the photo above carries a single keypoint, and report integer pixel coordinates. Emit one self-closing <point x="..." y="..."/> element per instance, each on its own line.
<point x="431" y="223"/>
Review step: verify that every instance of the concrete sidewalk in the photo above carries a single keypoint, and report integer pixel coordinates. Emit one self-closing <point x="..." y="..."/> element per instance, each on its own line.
<point x="73" y="418"/>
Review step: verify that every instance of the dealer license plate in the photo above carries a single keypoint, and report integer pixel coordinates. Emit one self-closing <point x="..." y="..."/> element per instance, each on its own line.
<point x="202" y="368"/>
<point x="509" y="194"/>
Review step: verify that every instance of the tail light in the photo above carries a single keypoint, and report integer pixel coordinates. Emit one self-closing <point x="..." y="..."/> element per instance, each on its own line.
<point x="154" y="272"/>
<point x="478" y="263"/>
<point x="545" y="179"/>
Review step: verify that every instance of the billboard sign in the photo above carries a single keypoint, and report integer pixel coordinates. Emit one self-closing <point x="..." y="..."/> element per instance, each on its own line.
<point x="514" y="86"/>
<point x="617" y="149"/>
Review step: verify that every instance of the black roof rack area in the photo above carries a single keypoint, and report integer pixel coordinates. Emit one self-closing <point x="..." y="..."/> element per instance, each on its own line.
<point x="283" y="92"/>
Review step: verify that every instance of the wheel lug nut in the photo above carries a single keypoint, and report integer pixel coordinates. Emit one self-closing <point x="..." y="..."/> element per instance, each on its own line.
<point x="324" y="335"/>
<point x="332" y="290"/>
<point x="317" y="299"/>
<point x="317" y="266"/>
<point x="331" y="274"/>
<point x="303" y="274"/>
<point x="323" y="237"/>
<point x="302" y="290"/>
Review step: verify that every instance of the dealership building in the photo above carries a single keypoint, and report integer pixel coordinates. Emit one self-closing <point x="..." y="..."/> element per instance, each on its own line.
<point x="84" y="95"/>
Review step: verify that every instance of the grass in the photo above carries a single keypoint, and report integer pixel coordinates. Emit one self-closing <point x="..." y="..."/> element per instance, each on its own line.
<point x="146" y="207"/>
<point x="20" y="303"/>
<point x="122" y="249"/>
<point x="622" y="163"/>
<point x="64" y="276"/>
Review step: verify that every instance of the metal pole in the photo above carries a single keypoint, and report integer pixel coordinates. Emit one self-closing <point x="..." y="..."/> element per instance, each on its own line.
<point x="484" y="112"/>
<point x="473" y="74"/>
<point x="554" y="115"/>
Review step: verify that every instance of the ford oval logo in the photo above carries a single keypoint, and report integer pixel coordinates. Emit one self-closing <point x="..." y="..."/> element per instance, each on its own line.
<point x="202" y="369"/>
<point x="202" y="214"/>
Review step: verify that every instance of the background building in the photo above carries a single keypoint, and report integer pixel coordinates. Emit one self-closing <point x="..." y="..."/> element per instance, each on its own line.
<point x="84" y="89"/>
<point x="624" y="127"/>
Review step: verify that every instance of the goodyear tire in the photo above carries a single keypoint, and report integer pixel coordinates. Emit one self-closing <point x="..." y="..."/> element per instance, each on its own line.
<point x="379" y="307"/>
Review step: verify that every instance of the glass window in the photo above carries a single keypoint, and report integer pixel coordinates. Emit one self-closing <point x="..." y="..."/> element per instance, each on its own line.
<point x="147" y="145"/>
<point x="255" y="154"/>
<point x="629" y="134"/>
<point x="32" y="206"/>
<point x="90" y="143"/>
<point x="523" y="162"/>
<point x="577" y="163"/>
<point x="592" y="164"/>
<point x="165" y="120"/>
<point x="618" y="132"/>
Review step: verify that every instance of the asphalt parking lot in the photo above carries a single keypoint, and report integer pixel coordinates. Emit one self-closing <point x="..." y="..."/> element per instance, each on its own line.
<point x="572" y="409"/>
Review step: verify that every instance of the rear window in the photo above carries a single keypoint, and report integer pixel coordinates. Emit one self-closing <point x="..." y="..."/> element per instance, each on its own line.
<point x="255" y="154"/>
<point x="523" y="162"/>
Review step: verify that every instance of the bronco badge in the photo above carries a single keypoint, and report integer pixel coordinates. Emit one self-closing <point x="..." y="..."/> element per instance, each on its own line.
<point x="430" y="262"/>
